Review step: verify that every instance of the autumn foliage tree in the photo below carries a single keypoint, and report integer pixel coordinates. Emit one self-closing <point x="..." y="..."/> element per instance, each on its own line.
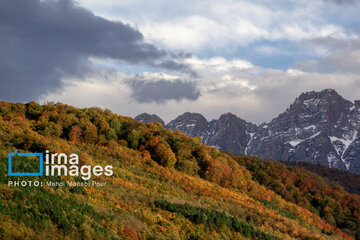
<point x="90" y="134"/>
<point x="75" y="134"/>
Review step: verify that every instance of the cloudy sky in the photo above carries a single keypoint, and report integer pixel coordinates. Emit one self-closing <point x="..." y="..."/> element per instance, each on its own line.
<point x="251" y="58"/>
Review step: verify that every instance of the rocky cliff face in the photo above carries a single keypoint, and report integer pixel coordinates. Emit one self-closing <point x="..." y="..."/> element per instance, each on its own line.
<point x="319" y="127"/>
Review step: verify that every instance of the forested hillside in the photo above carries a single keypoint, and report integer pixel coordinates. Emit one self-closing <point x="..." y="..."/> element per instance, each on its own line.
<point x="165" y="185"/>
<point x="350" y="181"/>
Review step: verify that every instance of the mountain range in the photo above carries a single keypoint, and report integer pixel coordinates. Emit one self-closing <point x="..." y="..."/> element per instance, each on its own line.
<point x="318" y="127"/>
<point x="165" y="185"/>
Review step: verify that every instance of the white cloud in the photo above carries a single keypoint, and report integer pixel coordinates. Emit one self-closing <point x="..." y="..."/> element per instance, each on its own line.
<point x="199" y="25"/>
<point x="294" y="72"/>
<point x="298" y="31"/>
<point x="216" y="65"/>
<point x="188" y="33"/>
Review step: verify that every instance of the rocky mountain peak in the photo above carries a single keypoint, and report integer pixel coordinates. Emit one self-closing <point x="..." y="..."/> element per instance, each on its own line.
<point x="231" y="120"/>
<point x="319" y="127"/>
<point x="192" y="116"/>
<point x="326" y="93"/>
<point x="324" y="99"/>
<point x="323" y="109"/>
<point x="228" y="116"/>
<point x="230" y="133"/>
<point x="192" y="124"/>
<point x="227" y="119"/>
<point x="149" y="118"/>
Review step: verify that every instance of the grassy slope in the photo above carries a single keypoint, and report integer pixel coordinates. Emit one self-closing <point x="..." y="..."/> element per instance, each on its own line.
<point x="165" y="185"/>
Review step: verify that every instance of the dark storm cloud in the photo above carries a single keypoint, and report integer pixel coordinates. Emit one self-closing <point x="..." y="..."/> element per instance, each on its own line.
<point x="162" y="90"/>
<point x="43" y="41"/>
